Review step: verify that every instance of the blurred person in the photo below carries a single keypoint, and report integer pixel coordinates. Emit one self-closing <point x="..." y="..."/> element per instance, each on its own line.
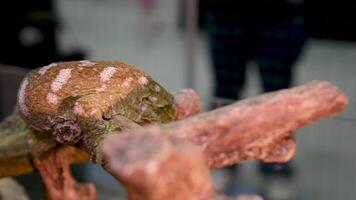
<point x="269" y="32"/>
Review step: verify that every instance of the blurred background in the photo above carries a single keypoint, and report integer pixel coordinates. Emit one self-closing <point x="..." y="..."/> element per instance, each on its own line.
<point x="225" y="50"/>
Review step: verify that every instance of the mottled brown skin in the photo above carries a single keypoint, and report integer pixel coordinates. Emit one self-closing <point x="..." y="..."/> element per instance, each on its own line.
<point x="80" y="103"/>
<point x="75" y="101"/>
<point x="20" y="144"/>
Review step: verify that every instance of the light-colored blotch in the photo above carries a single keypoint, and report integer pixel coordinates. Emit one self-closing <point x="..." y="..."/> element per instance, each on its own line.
<point x="157" y="88"/>
<point x="44" y="69"/>
<point x="22" y="97"/>
<point x="142" y="80"/>
<point x="52" y="98"/>
<point x="61" y="79"/>
<point x="127" y="82"/>
<point x="107" y="73"/>
<point x="86" y="63"/>
<point x="144" y="108"/>
<point x="78" y="109"/>
<point x="30" y="142"/>
<point x="153" y="98"/>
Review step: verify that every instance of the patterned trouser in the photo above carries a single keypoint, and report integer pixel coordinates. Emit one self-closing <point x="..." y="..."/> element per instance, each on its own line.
<point x="275" y="48"/>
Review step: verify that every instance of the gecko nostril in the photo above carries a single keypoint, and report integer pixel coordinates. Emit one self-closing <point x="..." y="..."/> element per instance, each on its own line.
<point x="67" y="132"/>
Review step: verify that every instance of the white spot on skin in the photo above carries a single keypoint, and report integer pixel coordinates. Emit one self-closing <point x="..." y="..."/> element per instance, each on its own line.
<point x="45" y="68"/>
<point x="22" y="98"/>
<point x="153" y="99"/>
<point x="30" y="142"/>
<point x="86" y="63"/>
<point x="142" y="80"/>
<point x="52" y="98"/>
<point x="101" y="89"/>
<point x="107" y="73"/>
<point x="127" y="82"/>
<point x="61" y="79"/>
<point x="144" y="108"/>
<point x="78" y="109"/>
<point x="157" y="88"/>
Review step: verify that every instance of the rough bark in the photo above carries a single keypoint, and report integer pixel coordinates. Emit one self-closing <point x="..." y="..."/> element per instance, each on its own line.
<point x="153" y="167"/>
<point x="161" y="168"/>
<point x="157" y="162"/>
<point x="259" y="128"/>
<point x="54" y="169"/>
<point x="14" y="151"/>
<point x="18" y="147"/>
<point x="16" y="166"/>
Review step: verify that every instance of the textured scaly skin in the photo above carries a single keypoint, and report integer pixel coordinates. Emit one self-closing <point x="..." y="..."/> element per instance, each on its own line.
<point x="76" y="102"/>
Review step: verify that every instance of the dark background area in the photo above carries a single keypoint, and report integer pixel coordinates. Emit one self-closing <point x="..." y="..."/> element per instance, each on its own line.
<point x="324" y="19"/>
<point x="330" y="19"/>
<point x="29" y="34"/>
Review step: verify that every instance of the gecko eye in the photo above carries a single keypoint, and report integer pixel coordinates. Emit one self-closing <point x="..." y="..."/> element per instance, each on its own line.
<point x="146" y="100"/>
<point x="106" y="118"/>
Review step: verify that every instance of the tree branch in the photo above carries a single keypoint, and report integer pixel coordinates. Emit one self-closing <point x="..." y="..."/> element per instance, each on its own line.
<point x="259" y="128"/>
<point x="54" y="169"/>
<point x="161" y="168"/>
<point x="186" y="103"/>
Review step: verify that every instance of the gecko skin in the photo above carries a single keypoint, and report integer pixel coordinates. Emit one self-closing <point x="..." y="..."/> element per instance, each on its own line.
<point x="77" y="102"/>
